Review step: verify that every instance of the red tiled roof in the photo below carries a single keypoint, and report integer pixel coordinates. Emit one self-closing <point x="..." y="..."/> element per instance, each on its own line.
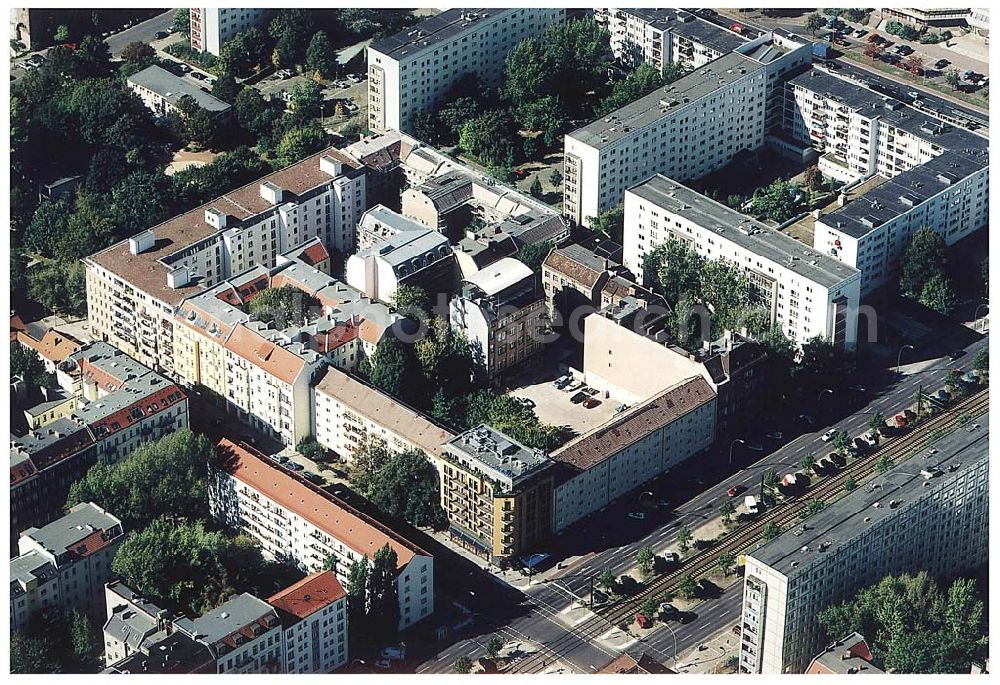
<point x="94" y="542"/>
<point x="309" y="595"/>
<point x="255" y="348"/>
<point x="314" y="254"/>
<point x="610" y="438"/>
<point x="21" y="472"/>
<point x="341" y="334"/>
<point x="54" y="346"/>
<point x="142" y="408"/>
<point x="358" y="531"/>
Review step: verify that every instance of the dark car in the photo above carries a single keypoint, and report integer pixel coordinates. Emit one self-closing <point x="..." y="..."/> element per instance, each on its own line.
<point x="957" y="354"/>
<point x="941" y="64"/>
<point x="579" y="397"/>
<point x="160" y="35"/>
<point x="294" y="466"/>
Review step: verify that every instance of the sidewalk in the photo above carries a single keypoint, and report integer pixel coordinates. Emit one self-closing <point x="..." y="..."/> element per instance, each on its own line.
<point x="712" y="655"/>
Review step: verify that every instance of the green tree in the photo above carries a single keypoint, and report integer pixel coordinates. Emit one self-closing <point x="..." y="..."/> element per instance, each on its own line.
<point x="61" y="34"/>
<point x="842" y="442"/>
<point x="138" y="52"/>
<point x="199" y="127"/>
<point x="310" y="449"/>
<point x="455" y="114"/>
<point x="282" y="307"/>
<point x="556" y="178"/>
<point x="727" y="562"/>
<point x="533" y="254"/>
<point x="981" y="364"/>
<point x="292" y="29"/>
<point x="493" y="646"/>
<point x="883" y="464"/>
<point x="727" y="509"/>
<point x="27" y="365"/>
<point x="86" y="643"/>
<point x="687" y="588"/>
<point x="92" y="57"/>
<point x="383" y="595"/>
<point x="536" y="187"/>
<point x="226" y="88"/>
<point x="876" y="424"/>
<point x="488" y="137"/>
<point x="182" y="22"/>
<point x="462" y="665"/>
<point x="813" y="506"/>
<point x="813" y="178"/>
<point x="357" y="589"/>
<point x="606" y="580"/>
<point x="307" y="100"/>
<point x="610" y="222"/>
<point x="953" y="382"/>
<point x="814" y="22"/>
<point x="31" y="654"/>
<point x="923" y="258"/>
<point x="937" y="294"/>
<point x="406" y="487"/>
<point x="806" y="462"/>
<point x="298" y="143"/>
<point x="645" y="559"/>
<point x="320" y="55"/>
<point x="59" y="287"/>
<point x="254" y="114"/>
<point x="412" y="297"/>
<point x="392" y="370"/>
<point x="771" y="531"/>
<point x="673" y="71"/>
<point x="775" y="203"/>
<point x="674" y="270"/>
<point x="684" y="538"/>
<point x="850" y="485"/>
<point x="639" y="83"/>
<point x="162" y="478"/>
<point x="952" y="78"/>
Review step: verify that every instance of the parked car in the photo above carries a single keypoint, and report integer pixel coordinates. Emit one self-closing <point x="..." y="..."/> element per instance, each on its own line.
<point x="521" y="173"/>
<point x="941" y="64"/>
<point x="314" y="477"/>
<point x="382" y="663"/>
<point x="737" y="630"/>
<point x="294" y="466"/>
<point x="562" y="382"/>
<point x="900" y="421"/>
<point x="526" y="402"/>
<point x="860" y="32"/>
<point x="637" y="515"/>
<point x="197" y="75"/>
<point x="829" y="435"/>
<point x="671" y="557"/>
<point x="578" y="398"/>
<point x="160" y="35"/>
<point x="957" y="354"/>
<point x="736" y="490"/>
<point x="668" y="611"/>
<point x="354" y="78"/>
<point x="591" y="403"/>
<point x="861" y="444"/>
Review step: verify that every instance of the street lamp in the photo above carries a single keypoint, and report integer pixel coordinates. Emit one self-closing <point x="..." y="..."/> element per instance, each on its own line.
<point x="899" y="356"/>
<point x="530" y="567"/>
<point x="732" y="445"/>
<point x="822" y="392"/>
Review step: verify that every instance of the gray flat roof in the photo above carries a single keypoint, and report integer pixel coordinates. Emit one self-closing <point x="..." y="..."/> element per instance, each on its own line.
<point x="689" y="25"/>
<point x="407" y="246"/>
<point x="756" y="237"/>
<point x="65" y="532"/>
<point x="497" y="455"/>
<point x="898" y="195"/>
<point x="172" y="88"/>
<point x="230" y="616"/>
<point x="395" y="220"/>
<point x="850" y="516"/>
<point x="433" y="30"/>
<point x="28" y="567"/>
<point x="920" y="124"/>
<point x="647" y="109"/>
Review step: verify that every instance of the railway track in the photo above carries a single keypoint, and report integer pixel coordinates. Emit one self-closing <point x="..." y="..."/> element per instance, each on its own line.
<point x="825" y="490"/>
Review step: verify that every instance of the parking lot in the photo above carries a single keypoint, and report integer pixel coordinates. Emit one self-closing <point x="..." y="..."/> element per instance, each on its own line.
<point x="554" y="407"/>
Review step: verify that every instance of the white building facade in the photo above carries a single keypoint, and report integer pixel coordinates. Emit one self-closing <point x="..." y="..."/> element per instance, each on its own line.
<point x="212" y="27"/>
<point x="411" y="71"/>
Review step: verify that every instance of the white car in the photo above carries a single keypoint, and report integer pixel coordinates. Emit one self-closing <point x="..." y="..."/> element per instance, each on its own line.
<point x="829" y="435"/>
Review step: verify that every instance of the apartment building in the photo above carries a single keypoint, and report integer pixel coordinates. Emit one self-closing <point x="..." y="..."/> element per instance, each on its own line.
<point x="501" y="311"/>
<point x="662" y="36"/>
<point x="213" y="27"/>
<point x="161" y="92"/>
<point x="243" y="634"/>
<point x="916" y="171"/>
<point x="414" y="255"/>
<point x="575" y="280"/>
<point x="313" y="615"/>
<point x="348" y="412"/>
<point x="64" y="564"/>
<point x="685" y="130"/>
<point x="924" y="514"/>
<point x="55" y="403"/>
<point x="806" y="292"/>
<point x="629" y="354"/>
<point x="631" y="448"/>
<point x="43" y="464"/>
<point x="846" y="656"/>
<point x="292" y="519"/>
<point x="135" y="286"/>
<point x="497" y="493"/>
<point x="413" y="70"/>
<point x="52" y="347"/>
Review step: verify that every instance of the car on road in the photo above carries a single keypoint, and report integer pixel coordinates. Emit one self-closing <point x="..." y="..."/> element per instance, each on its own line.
<point x="941" y="64"/>
<point x="860" y="32"/>
<point x="668" y="611"/>
<point x="637" y="515"/>
<point x="591" y="403"/>
<point x="829" y="435"/>
<point x="776" y="435"/>
<point x="957" y="354"/>
<point x="736" y="490"/>
<point x="198" y="75"/>
<point x="160" y="35"/>
<point x="913" y="95"/>
<point x="294" y="466"/>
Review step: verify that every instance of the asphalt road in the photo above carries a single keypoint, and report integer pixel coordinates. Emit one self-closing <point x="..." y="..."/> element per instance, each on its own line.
<point x="144" y="32"/>
<point x="575" y="645"/>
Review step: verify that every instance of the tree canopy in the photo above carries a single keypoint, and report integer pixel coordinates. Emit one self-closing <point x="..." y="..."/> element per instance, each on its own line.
<point x="284" y="306"/>
<point x="404" y="485"/>
<point x="923" y="258"/>
<point x="913" y="625"/>
<point x="25" y="363"/>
